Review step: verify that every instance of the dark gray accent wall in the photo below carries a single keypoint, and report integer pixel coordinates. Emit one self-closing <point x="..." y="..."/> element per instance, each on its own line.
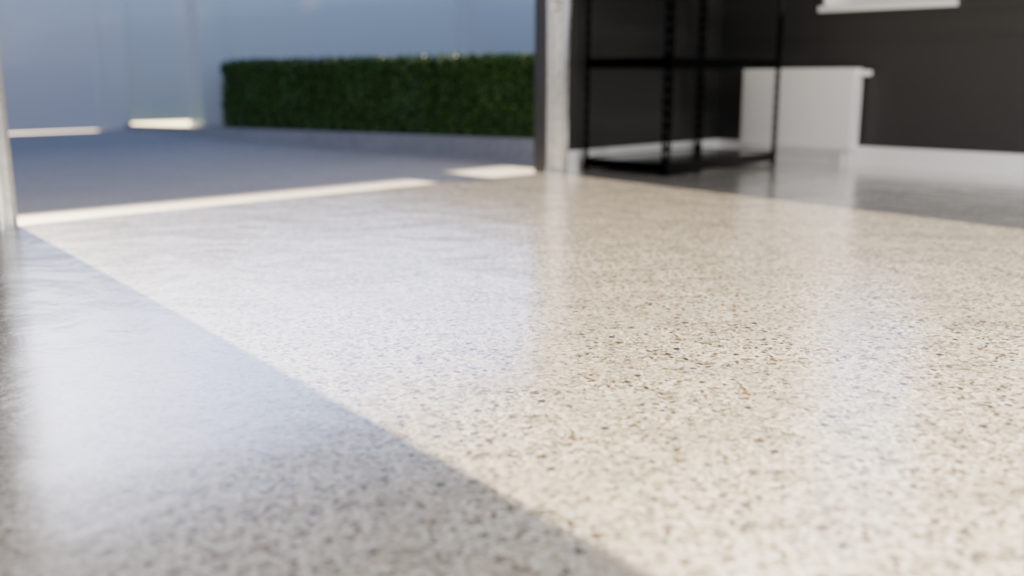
<point x="626" y="103"/>
<point x="945" y="78"/>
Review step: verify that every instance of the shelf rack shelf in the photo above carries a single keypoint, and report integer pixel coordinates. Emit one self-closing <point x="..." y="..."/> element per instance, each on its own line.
<point x="699" y="158"/>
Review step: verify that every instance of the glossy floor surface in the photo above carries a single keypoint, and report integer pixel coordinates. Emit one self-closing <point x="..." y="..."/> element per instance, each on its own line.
<point x="823" y="181"/>
<point x="152" y="165"/>
<point x="542" y="375"/>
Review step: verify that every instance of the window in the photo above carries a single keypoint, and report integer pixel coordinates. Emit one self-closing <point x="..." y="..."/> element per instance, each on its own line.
<point x="854" y="6"/>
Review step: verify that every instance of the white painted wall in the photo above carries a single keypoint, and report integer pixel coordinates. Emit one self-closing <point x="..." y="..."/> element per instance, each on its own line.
<point x="163" y="59"/>
<point x="60" y="62"/>
<point x="102" y="62"/>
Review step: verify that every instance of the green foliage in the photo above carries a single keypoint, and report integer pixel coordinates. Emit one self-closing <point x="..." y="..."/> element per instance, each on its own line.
<point x="469" y="95"/>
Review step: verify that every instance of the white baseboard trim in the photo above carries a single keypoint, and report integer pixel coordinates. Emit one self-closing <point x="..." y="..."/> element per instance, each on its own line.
<point x="985" y="167"/>
<point x="54" y="132"/>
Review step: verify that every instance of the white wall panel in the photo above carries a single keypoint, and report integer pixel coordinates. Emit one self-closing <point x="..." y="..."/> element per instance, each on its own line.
<point x="51" y="62"/>
<point x="311" y="28"/>
<point x="112" y="75"/>
<point x="162" y="59"/>
<point x="496" y="26"/>
<point x="289" y="29"/>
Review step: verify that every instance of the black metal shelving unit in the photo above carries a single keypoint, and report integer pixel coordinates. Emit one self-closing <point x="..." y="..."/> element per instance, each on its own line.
<point x="668" y="64"/>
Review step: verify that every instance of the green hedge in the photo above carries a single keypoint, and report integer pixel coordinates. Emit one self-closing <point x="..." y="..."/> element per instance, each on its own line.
<point x="468" y="95"/>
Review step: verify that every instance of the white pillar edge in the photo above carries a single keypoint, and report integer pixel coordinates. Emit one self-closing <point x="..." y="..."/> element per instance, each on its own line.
<point x="8" y="198"/>
<point x="557" y="52"/>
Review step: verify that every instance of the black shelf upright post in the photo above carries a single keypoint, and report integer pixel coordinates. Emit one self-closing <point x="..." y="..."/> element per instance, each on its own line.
<point x="589" y="17"/>
<point x="780" y="15"/>
<point x="668" y="64"/>
<point x="667" y="85"/>
<point x="698" y="97"/>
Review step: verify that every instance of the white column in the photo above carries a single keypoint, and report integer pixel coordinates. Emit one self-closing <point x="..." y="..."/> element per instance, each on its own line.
<point x="8" y="200"/>
<point x="557" y="41"/>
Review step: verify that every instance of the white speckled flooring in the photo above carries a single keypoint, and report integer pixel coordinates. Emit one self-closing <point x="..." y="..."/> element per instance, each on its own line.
<point x="532" y="376"/>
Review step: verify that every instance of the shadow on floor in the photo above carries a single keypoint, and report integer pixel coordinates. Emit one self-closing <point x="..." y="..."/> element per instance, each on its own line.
<point x="153" y="447"/>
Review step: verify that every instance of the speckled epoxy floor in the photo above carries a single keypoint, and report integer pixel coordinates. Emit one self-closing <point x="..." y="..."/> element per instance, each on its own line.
<point x="542" y="375"/>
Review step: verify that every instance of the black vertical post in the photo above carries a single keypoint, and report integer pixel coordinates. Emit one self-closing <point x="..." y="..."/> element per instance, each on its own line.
<point x="589" y="7"/>
<point x="698" y="106"/>
<point x="780" y="20"/>
<point x="667" y="77"/>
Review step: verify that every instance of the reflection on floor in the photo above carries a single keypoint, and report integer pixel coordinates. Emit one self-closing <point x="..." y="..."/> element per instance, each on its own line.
<point x="825" y="182"/>
<point x="153" y="165"/>
<point x="541" y="375"/>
